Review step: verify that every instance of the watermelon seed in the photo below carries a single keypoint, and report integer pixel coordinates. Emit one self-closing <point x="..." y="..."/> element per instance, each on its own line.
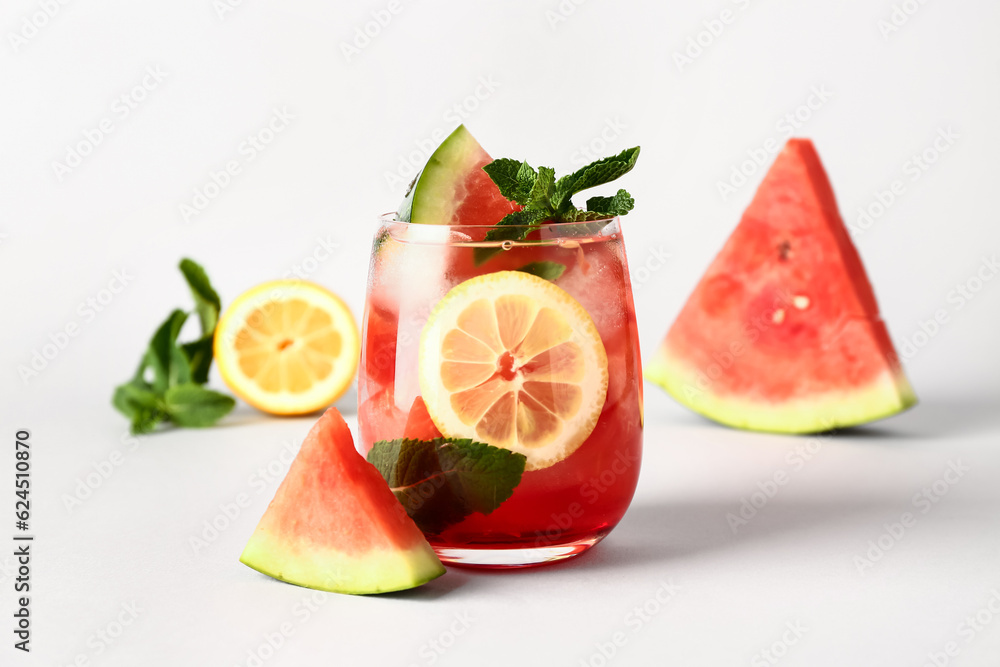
<point x="784" y="251"/>
<point x="801" y="302"/>
<point x="779" y="316"/>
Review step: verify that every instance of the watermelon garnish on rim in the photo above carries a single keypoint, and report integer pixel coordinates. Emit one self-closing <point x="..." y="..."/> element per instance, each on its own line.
<point x="453" y="189"/>
<point x="783" y="332"/>
<point x="335" y="525"/>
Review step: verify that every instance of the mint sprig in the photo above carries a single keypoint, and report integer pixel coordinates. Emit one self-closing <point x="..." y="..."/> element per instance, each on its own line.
<point x="545" y="198"/>
<point x="544" y="269"/>
<point x="596" y="173"/>
<point x="167" y="385"/>
<point x="440" y="482"/>
<point x="207" y="306"/>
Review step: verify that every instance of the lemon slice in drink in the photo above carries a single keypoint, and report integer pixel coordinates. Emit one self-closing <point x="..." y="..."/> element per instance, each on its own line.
<point x="288" y="347"/>
<point x="514" y="361"/>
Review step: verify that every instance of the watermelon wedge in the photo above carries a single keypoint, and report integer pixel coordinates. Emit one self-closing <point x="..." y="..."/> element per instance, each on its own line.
<point x="453" y="189"/>
<point x="783" y="332"/>
<point x="335" y="526"/>
<point x="419" y="425"/>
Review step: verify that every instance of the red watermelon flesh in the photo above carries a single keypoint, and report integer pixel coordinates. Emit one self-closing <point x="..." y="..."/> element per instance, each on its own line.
<point x="481" y="201"/>
<point x="419" y="425"/>
<point x="783" y="332"/>
<point x="335" y="525"/>
<point x="453" y="189"/>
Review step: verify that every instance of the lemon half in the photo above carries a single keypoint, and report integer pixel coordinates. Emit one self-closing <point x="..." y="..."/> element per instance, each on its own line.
<point x="288" y="347"/>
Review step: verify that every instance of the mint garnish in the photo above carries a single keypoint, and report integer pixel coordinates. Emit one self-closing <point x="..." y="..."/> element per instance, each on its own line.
<point x="514" y="178"/>
<point x="442" y="481"/>
<point x="167" y="385"/>
<point x="620" y="204"/>
<point x="596" y="173"/>
<point x="545" y="198"/>
<point x="544" y="269"/>
<point x="194" y="406"/>
<point x="208" y="306"/>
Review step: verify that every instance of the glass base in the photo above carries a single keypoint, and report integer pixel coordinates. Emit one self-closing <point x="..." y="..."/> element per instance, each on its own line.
<point x="498" y="558"/>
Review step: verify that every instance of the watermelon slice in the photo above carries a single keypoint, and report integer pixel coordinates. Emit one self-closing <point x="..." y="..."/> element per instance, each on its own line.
<point x="783" y="332"/>
<point x="453" y="189"/>
<point x="419" y="425"/>
<point x="335" y="526"/>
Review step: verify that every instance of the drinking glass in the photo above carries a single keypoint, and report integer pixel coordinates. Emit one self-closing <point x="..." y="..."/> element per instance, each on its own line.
<point x="558" y="509"/>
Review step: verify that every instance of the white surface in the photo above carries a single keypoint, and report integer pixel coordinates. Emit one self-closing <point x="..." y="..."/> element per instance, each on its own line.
<point x="793" y="562"/>
<point x="323" y="178"/>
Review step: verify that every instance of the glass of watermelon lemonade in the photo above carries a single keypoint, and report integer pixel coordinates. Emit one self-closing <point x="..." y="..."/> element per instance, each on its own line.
<point x="526" y="349"/>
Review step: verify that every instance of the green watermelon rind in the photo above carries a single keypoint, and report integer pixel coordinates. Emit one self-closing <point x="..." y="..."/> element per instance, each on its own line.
<point x="888" y="394"/>
<point x="321" y="568"/>
<point x="431" y="199"/>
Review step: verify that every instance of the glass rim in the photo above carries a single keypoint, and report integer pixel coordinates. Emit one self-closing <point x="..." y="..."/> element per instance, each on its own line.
<point x="390" y="218"/>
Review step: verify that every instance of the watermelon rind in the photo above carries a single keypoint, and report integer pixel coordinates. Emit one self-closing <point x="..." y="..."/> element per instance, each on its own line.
<point x="888" y="394"/>
<point x="432" y="198"/>
<point x="312" y="566"/>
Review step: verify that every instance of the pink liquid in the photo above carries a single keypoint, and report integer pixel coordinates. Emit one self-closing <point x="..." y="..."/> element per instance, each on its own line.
<point x="581" y="497"/>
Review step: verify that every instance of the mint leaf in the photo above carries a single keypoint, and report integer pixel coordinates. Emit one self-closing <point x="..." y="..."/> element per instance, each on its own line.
<point x="140" y="405"/>
<point x="442" y="481"/>
<point x="514" y="227"/>
<point x="596" y="173"/>
<point x="172" y="391"/>
<point x="526" y="177"/>
<point x="576" y="215"/>
<point x="169" y="364"/>
<point x="543" y="189"/>
<point x="544" y="269"/>
<point x="200" y="354"/>
<point x="147" y="420"/>
<point x="513" y="178"/>
<point x="194" y="406"/>
<point x="405" y="211"/>
<point x="503" y="172"/>
<point x="208" y="306"/>
<point x="207" y="303"/>
<point x="507" y="229"/>
<point x="130" y="398"/>
<point x="620" y="204"/>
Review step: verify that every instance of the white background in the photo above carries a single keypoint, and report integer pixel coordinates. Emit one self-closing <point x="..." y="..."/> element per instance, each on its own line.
<point x="556" y="81"/>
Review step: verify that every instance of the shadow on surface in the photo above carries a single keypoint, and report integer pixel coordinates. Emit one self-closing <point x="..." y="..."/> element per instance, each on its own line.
<point x="244" y="414"/>
<point x="936" y="418"/>
<point x="444" y="585"/>
<point x="930" y="419"/>
<point x="671" y="530"/>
